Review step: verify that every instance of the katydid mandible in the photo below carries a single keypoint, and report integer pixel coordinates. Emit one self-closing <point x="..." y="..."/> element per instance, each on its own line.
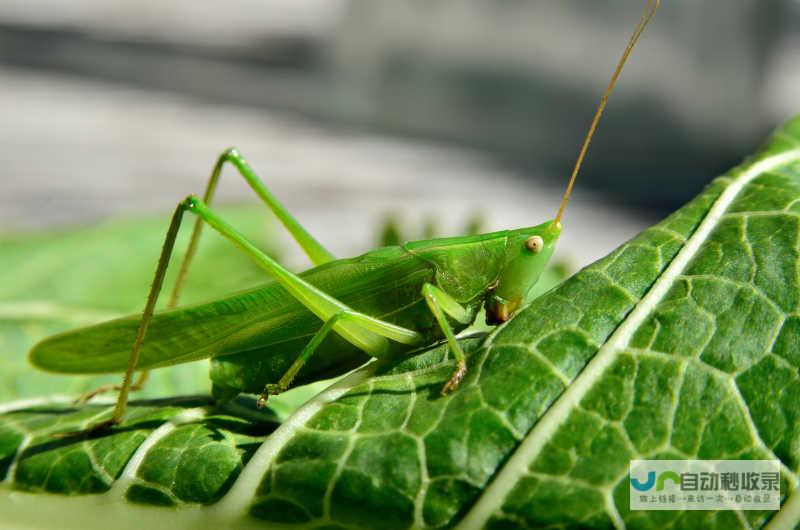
<point x="299" y="328"/>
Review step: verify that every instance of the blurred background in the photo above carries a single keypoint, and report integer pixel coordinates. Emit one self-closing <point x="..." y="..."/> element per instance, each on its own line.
<point x="354" y="109"/>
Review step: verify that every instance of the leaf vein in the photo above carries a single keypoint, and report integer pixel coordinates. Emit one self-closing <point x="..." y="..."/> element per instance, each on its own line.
<point x="549" y="423"/>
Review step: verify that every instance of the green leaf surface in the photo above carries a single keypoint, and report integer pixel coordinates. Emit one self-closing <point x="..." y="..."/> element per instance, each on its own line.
<point x="683" y="343"/>
<point x="56" y="281"/>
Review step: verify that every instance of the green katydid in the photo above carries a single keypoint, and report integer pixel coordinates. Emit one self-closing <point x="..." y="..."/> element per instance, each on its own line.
<point x="329" y="319"/>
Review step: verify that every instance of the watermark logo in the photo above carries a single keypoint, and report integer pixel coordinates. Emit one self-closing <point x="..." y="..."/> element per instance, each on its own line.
<point x="705" y="484"/>
<point x="658" y="483"/>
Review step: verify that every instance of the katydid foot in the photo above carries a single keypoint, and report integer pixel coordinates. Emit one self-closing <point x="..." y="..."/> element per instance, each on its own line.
<point x="269" y="390"/>
<point x="104" y="389"/>
<point x="455" y="379"/>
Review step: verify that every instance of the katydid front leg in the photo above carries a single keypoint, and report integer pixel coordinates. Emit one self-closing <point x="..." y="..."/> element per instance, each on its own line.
<point x="440" y="303"/>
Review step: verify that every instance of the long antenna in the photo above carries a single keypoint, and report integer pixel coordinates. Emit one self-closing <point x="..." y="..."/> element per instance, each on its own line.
<point x="649" y="11"/>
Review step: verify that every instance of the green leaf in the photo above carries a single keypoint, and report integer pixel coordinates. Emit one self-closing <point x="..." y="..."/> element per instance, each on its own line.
<point x="56" y="281"/>
<point x="683" y="343"/>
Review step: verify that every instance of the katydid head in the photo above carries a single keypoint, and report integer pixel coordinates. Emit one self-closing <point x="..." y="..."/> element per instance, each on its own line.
<point x="527" y="252"/>
<point x="529" y="249"/>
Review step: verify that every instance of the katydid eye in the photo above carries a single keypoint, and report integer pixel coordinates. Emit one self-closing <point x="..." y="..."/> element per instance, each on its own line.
<point x="535" y="244"/>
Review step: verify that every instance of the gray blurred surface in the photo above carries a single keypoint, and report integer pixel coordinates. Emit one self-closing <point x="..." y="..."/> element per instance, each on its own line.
<point x="515" y="79"/>
<point x="354" y="108"/>
<point x="76" y="151"/>
<point x="232" y="23"/>
<point x="519" y="79"/>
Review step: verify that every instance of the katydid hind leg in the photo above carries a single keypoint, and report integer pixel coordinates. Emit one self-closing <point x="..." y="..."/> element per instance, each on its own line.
<point x="292" y="282"/>
<point x="369" y="335"/>
<point x="370" y="325"/>
<point x="147" y="315"/>
<point x="114" y="387"/>
<point x="313" y="248"/>
<point x="365" y="332"/>
<point x="440" y="303"/>
<point x="149" y="308"/>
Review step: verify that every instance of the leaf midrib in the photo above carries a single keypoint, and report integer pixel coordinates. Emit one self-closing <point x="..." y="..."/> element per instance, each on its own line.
<point x="234" y="505"/>
<point x="516" y="466"/>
